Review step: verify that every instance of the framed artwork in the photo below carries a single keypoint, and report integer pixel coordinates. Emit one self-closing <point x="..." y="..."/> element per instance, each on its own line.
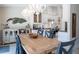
<point x="64" y="27"/>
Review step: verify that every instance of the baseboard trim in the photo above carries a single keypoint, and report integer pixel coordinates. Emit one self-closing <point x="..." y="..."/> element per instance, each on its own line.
<point x="9" y="43"/>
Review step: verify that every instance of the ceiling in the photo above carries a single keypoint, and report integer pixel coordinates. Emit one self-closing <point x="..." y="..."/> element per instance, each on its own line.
<point x="13" y="5"/>
<point x="24" y="5"/>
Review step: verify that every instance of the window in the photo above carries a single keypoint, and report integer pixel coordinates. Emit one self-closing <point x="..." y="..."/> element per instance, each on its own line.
<point x="37" y="18"/>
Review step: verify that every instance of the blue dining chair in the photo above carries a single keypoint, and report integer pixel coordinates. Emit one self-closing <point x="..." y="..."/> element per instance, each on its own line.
<point x="64" y="45"/>
<point x="54" y="31"/>
<point x="40" y="31"/>
<point x="49" y="34"/>
<point x="18" y="45"/>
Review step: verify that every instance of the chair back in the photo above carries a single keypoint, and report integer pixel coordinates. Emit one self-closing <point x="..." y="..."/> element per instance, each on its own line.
<point x="49" y="34"/>
<point x="40" y="31"/>
<point x="64" y="45"/>
<point x="18" y="45"/>
<point x="54" y="31"/>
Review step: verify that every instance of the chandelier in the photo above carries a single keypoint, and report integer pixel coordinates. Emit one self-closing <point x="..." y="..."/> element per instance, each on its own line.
<point x="33" y="9"/>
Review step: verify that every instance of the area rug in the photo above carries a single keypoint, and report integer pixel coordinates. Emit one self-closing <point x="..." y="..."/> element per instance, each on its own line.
<point x="4" y="49"/>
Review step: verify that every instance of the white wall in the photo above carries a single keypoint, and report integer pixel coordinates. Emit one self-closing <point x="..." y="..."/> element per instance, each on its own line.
<point x="2" y="16"/>
<point x="65" y="36"/>
<point x="68" y="9"/>
<point x="66" y="18"/>
<point x="6" y="13"/>
<point x="50" y="13"/>
<point x="10" y="12"/>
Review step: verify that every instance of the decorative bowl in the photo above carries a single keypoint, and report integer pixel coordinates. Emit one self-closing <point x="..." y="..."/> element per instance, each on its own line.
<point x="33" y="35"/>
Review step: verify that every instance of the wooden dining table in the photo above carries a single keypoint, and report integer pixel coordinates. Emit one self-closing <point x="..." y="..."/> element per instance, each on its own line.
<point x="39" y="45"/>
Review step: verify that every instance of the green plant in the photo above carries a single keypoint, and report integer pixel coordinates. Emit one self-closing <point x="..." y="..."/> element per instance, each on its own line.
<point x="18" y="20"/>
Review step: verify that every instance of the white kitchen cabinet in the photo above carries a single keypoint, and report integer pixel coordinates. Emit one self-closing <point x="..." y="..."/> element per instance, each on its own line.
<point x="9" y="35"/>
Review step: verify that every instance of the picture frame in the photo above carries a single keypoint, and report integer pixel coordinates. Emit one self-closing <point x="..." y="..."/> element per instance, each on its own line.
<point x="64" y="27"/>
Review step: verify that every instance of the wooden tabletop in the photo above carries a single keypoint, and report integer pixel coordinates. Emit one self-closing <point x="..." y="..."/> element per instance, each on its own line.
<point x="38" y="45"/>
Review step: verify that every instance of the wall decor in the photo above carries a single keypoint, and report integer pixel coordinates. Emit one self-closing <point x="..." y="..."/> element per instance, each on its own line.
<point x="64" y="27"/>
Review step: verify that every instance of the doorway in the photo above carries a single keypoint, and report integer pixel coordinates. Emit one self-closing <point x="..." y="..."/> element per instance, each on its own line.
<point x="73" y="25"/>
